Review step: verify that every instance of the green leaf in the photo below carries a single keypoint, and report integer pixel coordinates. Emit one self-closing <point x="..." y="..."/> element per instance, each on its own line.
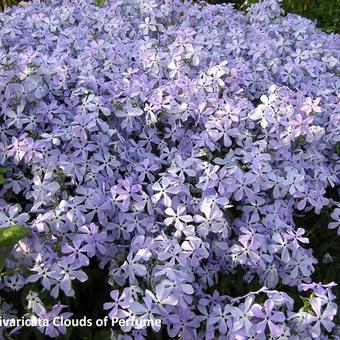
<point x="301" y="139"/>
<point x="2" y="176"/>
<point x="307" y="307"/>
<point x="99" y="3"/>
<point x="11" y="235"/>
<point x="337" y="148"/>
<point x="4" y="251"/>
<point x="2" y="262"/>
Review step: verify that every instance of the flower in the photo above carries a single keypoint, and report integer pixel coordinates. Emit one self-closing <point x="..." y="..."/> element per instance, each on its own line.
<point x="269" y="318"/>
<point x="119" y="302"/>
<point x="335" y="215"/>
<point x="323" y="316"/>
<point x="162" y="144"/>
<point x="178" y="218"/>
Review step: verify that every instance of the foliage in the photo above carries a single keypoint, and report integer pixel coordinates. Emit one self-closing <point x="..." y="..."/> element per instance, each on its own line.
<point x="100" y="3"/>
<point x="8" y="238"/>
<point x="11" y="235"/>
<point x="7" y="3"/>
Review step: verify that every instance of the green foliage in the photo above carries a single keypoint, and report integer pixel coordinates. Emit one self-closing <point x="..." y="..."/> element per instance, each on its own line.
<point x="3" y="253"/>
<point x="99" y="3"/>
<point x="307" y="305"/>
<point x="2" y="176"/>
<point x="8" y="237"/>
<point x="337" y="148"/>
<point x="7" y="3"/>
<point x="326" y="12"/>
<point x="11" y="235"/>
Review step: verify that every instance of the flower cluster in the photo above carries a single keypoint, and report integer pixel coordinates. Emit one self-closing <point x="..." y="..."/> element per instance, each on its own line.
<point x="170" y="144"/>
